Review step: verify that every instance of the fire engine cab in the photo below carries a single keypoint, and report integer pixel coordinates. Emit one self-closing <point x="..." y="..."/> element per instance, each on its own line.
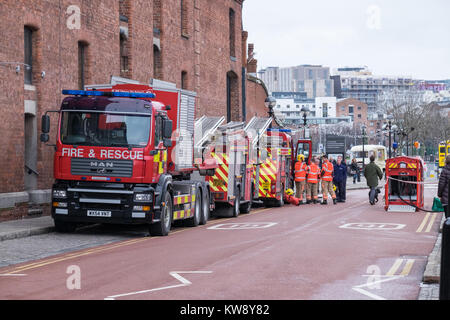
<point x="124" y="154"/>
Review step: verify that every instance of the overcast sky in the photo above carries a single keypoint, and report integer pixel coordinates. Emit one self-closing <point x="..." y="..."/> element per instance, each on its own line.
<point x="391" y="37"/>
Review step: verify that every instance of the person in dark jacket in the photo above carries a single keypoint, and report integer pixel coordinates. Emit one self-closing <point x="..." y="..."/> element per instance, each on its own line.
<point x="339" y="179"/>
<point x="372" y="172"/>
<point x="443" y="186"/>
<point x="354" y="171"/>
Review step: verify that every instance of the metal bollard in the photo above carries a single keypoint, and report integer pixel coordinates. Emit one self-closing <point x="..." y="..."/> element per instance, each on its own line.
<point x="444" y="282"/>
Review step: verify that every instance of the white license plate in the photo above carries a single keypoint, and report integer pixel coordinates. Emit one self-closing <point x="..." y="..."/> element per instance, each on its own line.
<point x="97" y="213"/>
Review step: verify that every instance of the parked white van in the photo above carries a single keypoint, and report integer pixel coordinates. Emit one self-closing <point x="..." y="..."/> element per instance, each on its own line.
<point x="378" y="151"/>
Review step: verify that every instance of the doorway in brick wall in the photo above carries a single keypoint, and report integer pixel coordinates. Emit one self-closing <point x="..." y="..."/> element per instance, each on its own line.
<point x="30" y="154"/>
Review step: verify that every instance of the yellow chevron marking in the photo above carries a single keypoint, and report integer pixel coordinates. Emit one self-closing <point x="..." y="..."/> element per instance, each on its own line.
<point x="225" y="167"/>
<point x="274" y="168"/>
<point x="224" y="177"/>
<point x="267" y="173"/>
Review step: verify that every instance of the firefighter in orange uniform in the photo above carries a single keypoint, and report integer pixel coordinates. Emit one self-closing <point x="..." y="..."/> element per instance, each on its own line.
<point x="312" y="181"/>
<point x="300" y="177"/>
<point x="327" y="180"/>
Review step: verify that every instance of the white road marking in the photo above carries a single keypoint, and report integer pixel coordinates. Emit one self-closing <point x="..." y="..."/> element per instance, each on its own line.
<point x="373" y="226"/>
<point x="175" y="274"/>
<point x="371" y="283"/>
<point x="242" y="226"/>
<point x="12" y="275"/>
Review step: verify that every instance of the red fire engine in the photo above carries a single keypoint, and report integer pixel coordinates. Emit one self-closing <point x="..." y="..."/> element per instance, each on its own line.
<point x="124" y="155"/>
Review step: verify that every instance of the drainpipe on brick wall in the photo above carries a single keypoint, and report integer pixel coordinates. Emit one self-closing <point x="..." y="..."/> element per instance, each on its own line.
<point x="244" y="96"/>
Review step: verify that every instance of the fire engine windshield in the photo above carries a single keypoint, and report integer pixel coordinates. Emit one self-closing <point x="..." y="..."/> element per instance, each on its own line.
<point x="104" y="129"/>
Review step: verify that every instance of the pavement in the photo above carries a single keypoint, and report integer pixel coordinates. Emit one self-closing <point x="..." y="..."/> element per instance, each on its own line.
<point x="25" y="227"/>
<point x="429" y="288"/>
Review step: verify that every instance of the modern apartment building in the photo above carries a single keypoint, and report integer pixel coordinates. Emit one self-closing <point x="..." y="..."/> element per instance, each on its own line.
<point x="313" y="79"/>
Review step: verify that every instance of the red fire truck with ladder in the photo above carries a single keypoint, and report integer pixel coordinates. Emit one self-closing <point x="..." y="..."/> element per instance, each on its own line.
<point x="124" y="154"/>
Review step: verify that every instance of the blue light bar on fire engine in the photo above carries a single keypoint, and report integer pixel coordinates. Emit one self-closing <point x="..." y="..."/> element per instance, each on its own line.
<point x="279" y="130"/>
<point x="108" y="94"/>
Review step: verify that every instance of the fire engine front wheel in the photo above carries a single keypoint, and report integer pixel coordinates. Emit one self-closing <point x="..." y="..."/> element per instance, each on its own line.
<point x="162" y="227"/>
<point x="205" y="208"/>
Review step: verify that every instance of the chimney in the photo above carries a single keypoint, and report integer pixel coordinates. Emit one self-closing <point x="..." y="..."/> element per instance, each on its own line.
<point x="252" y="63"/>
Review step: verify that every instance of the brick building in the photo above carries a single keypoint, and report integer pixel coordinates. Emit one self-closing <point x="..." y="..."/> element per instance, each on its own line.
<point x="353" y="108"/>
<point x="47" y="46"/>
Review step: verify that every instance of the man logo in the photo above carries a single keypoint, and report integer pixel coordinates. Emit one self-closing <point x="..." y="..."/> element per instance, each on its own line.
<point x="98" y="164"/>
<point x="101" y="170"/>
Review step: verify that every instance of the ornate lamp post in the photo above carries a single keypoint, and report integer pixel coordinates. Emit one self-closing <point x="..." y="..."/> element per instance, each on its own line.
<point x="304" y="111"/>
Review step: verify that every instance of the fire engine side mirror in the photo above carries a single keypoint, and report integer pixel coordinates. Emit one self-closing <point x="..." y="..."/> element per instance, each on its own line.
<point x="45" y="124"/>
<point x="167" y="142"/>
<point x="167" y="129"/>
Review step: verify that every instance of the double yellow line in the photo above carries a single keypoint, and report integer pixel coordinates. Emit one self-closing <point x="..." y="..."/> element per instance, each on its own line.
<point x="406" y="269"/>
<point x="104" y="248"/>
<point x="425" y="220"/>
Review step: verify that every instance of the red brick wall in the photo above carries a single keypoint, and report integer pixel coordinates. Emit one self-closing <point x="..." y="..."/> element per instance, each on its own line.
<point x="203" y="53"/>
<point x="256" y="95"/>
<point x="356" y="111"/>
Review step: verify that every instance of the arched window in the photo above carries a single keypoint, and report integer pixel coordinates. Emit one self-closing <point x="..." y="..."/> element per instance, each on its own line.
<point x="232" y="97"/>
<point x="232" y="24"/>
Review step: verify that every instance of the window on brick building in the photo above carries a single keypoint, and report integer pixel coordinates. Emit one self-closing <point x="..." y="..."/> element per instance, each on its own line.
<point x="232" y="23"/>
<point x="82" y="64"/>
<point x="123" y="54"/>
<point x="28" y="47"/>
<point x="157" y="63"/>
<point x="232" y="97"/>
<point x="184" y="80"/>
<point x="184" y="18"/>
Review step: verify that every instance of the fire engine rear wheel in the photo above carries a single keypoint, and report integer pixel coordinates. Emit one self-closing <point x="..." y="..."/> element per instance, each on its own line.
<point x="65" y="227"/>
<point x="195" y="220"/>
<point x="205" y="208"/>
<point x="280" y="203"/>
<point x="162" y="228"/>
<point x="247" y="207"/>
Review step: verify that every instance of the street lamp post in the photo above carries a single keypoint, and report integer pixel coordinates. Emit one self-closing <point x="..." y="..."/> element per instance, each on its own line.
<point x="389" y="127"/>
<point x="304" y="111"/>
<point x="270" y="103"/>
<point x="363" y="128"/>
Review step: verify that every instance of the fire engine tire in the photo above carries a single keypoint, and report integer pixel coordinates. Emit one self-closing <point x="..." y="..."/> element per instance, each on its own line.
<point x="65" y="227"/>
<point x="196" y="218"/>
<point x="205" y="208"/>
<point x="162" y="228"/>
<point x="247" y="207"/>
<point x="280" y="203"/>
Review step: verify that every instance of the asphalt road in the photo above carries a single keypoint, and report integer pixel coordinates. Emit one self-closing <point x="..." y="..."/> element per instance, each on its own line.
<point x="343" y="251"/>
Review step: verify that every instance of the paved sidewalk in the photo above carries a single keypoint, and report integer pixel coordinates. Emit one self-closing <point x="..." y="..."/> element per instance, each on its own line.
<point x="360" y="185"/>
<point x="25" y="227"/>
<point x="429" y="289"/>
